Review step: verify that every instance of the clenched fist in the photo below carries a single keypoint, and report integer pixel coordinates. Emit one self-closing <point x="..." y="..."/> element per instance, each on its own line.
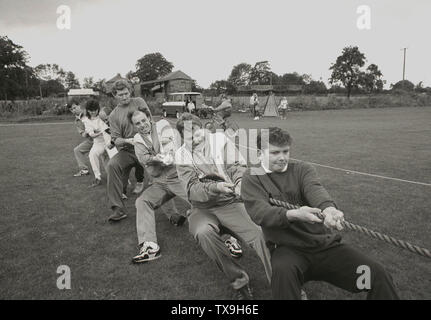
<point x="333" y="218"/>
<point x="304" y="214"/>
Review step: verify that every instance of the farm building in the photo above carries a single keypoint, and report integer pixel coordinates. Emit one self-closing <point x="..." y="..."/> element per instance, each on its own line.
<point x="176" y="81"/>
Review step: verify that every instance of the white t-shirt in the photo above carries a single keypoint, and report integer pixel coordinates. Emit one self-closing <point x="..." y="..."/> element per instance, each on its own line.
<point x="283" y="104"/>
<point x="95" y="124"/>
<point x="191" y="106"/>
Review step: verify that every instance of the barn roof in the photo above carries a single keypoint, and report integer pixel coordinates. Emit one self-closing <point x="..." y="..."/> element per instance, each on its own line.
<point x="117" y="77"/>
<point x="176" y="75"/>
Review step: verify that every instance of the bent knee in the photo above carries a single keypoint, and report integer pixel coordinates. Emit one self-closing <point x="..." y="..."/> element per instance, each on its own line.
<point x="113" y="166"/>
<point x="143" y="201"/>
<point x="205" y="231"/>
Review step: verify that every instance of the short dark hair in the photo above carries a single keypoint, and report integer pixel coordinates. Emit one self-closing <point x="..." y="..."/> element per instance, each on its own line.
<point x="91" y="105"/>
<point x="276" y="137"/>
<point x="133" y="113"/>
<point x="120" y="84"/>
<point x="187" y="117"/>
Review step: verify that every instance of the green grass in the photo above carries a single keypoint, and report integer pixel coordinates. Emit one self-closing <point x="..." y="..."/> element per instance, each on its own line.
<point x="48" y="218"/>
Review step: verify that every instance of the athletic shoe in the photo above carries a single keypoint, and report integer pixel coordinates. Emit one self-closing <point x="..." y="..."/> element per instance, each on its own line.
<point x="117" y="215"/>
<point x="244" y="293"/>
<point x="96" y="182"/>
<point x="177" y="220"/>
<point x="138" y="188"/>
<point x="149" y="251"/>
<point x="123" y="196"/>
<point x="82" y="172"/>
<point x="303" y="295"/>
<point x="234" y="247"/>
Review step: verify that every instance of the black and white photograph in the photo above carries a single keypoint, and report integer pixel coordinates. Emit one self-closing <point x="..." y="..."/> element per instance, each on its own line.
<point x="203" y="152"/>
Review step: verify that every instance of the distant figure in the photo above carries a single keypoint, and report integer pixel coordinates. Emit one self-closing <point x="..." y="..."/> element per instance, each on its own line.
<point x="85" y="146"/>
<point x="283" y="107"/>
<point x="222" y="117"/>
<point x="96" y="128"/>
<point x="254" y="106"/>
<point x="191" y="107"/>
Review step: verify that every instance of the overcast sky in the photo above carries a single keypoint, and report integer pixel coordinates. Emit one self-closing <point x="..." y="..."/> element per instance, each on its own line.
<point x="205" y="39"/>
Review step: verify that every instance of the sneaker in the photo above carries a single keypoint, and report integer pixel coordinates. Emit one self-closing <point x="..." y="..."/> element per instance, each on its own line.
<point x="138" y="188"/>
<point x="256" y="118"/>
<point x="234" y="247"/>
<point x="123" y="196"/>
<point x="149" y="251"/>
<point x="96" y="182"/>
<point x="177" y="220"/>
<point x="117" y="215"/>
<point x="303" y="295"/>
<point x="244" y="293"/>
<point x="82" y="172"/>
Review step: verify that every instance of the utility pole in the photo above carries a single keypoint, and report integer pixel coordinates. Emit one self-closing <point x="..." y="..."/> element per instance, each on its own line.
<point x="404" y="65"/>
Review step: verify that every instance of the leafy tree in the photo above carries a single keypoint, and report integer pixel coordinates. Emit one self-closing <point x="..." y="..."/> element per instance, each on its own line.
<point x="152" y="66"/>
<point x="14" y="72"/>
<point x="88" y="83"/>
<point x="130" y="75"/>
<point x="222" y="86"/>
<point x="260" y="73"/>
<point x="48" y="72"/>
<point x="240" y="75"/>
<point x="71" y="81"/>
<point x="196" y="87"/>
<point x="51" y="87"/>
<point x="371" y="79"/>
<point x="346" y="69"/>
<point x="293" y="78"/>
<point x="317" y="87"/>
<point x="403" y="85"/>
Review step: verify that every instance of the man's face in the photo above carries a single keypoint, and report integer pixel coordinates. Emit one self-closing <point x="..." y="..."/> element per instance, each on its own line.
<point x="142" y="123"/>
<point x="276" y="158"/>
<point x="75" y="109"/>
<point x="195" y="137"/>
<point x="123" y="96"/>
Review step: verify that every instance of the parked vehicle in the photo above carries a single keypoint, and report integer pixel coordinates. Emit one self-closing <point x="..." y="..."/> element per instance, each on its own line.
<point x="177" y="102"/>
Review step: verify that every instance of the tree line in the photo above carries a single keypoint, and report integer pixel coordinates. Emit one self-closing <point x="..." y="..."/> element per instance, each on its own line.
<point x="349" y="75"/>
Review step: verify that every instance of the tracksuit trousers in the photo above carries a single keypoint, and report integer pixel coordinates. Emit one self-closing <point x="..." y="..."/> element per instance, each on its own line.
<point x="204" y="226"/>
<point x="162" y="191"/>
<point x="339" y="265"/>
<point x="118" y="170"/>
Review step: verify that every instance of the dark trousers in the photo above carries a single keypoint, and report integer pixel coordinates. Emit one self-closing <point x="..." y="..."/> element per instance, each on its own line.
<point x="336" y="265"/>
<point x="118" y="171"/>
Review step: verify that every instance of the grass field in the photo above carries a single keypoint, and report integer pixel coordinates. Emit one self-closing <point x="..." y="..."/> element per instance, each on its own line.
<point x="48" y="218"/>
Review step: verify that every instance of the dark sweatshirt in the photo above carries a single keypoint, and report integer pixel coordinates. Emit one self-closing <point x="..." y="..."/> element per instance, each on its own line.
<point x="298" y="185"/>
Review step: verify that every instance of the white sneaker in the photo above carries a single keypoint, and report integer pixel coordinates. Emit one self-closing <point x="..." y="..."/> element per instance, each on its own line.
<point x="124" y="197"/>
<point x="256" y="118"/>
<point x="148" y="252"/>
<point x="234" y="247"/>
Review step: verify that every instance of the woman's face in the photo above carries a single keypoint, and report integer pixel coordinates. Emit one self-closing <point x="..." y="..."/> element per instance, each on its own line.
<point x="93" y="113"/>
